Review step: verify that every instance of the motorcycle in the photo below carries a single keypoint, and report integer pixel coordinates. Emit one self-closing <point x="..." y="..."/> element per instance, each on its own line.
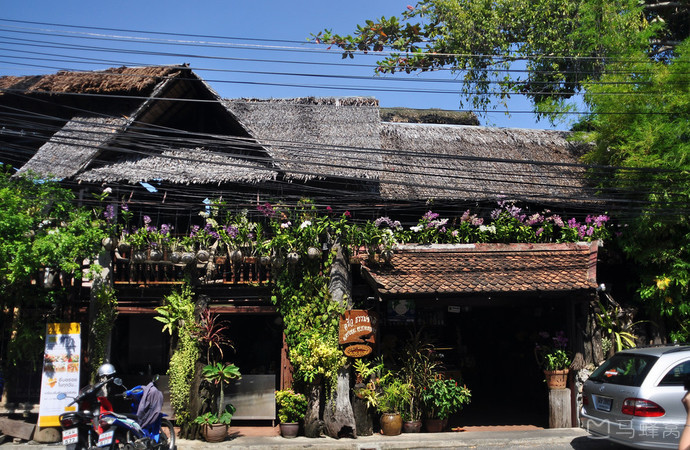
<point x="125" y="430"/>
<point x="80" y="429"/>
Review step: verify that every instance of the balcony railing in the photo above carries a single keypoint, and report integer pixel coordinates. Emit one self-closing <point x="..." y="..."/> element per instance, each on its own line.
<point x="217" y="270"/>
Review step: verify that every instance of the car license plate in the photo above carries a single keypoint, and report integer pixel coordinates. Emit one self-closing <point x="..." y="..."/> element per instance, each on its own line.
<point x="105" y="438"/>
<point x="602" y="403"/>
<point x="70" y="436"/>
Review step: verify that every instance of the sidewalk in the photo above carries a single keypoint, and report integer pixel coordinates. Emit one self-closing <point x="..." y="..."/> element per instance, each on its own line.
<point x="539" y="438"/>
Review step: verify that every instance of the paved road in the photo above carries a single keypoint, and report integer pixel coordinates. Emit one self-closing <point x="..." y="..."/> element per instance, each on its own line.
<point x="550" y="439"/>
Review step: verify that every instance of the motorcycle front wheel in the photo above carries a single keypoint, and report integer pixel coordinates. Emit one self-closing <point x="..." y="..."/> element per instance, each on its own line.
<point x="167" y="436"/>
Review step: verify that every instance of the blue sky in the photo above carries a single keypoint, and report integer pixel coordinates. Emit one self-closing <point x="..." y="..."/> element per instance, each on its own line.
<point x="245" y="68"/>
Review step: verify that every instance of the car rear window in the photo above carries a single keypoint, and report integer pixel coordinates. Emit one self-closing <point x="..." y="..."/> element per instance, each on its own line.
<point x="625" y="369"/>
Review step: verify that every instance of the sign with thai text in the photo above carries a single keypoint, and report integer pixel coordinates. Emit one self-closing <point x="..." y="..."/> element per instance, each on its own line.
<point x="61" y="364"/>
<point x="358" y="326"/>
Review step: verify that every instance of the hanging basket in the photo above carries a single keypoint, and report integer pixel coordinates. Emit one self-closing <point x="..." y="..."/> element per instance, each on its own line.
<point x="236" y="256"/>
<point x="313" y="253"/>
<point x="293" y="257"/>
<point x="556" y="379"/>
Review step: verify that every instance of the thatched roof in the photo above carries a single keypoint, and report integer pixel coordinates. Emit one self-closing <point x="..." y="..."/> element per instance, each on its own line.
<point x="180" y="166"/>
<point x="315" y="137"/>
<point x="432" y="115"/>
<point x="114" y="81"/>
<point x="424" y="161"/>
<point x="74" y="146"/>
<point x="300" y="139"/>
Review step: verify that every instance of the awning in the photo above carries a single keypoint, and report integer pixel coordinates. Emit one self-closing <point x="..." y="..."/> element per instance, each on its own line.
<point x="485" y="268"/>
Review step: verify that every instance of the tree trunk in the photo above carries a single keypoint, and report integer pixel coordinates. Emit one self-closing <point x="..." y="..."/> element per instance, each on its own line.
<point x="364" y="423"/>
<point x="313" y="425"/>
<point x="338" y="416"/>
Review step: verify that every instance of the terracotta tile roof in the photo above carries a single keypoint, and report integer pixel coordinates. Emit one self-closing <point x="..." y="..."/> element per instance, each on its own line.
<point x="484" y="268"/>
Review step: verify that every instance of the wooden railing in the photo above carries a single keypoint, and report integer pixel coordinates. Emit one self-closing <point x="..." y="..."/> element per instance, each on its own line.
<point x="217" y="270"/>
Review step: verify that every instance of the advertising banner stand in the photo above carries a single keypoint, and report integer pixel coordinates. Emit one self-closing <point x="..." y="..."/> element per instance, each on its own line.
<point x="61" y="369"/>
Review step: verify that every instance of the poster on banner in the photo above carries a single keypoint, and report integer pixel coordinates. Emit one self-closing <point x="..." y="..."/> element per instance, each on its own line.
<point x="61" y="366"/>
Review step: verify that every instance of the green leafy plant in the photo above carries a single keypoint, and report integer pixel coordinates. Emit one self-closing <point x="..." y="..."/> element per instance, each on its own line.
<point x="292" y="406"/>
<point x="209" y="418"/>
<point x="617" y="326"/>
<point x="220" y="374"/>
<point x="550" y="351"/>
<point x="419" y="365"/>
<point x="443" y="397"/>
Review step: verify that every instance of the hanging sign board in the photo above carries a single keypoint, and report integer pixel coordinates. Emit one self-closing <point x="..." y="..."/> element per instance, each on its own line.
<point x="358" y="326"/>
<point x="357" y="350"/>
<point x="61" y="364"/>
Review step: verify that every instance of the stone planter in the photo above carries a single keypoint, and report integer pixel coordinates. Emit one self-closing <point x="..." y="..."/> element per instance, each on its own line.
<point x="265" y="260"/>
<point x="391" y="424"/>
<point x="289" y="430"/>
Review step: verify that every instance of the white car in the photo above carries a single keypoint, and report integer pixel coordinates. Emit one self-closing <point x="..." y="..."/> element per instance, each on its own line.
<point x="634" y="398"/>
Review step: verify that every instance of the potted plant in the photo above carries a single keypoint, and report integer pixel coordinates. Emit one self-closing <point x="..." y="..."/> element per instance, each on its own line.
<point x="215" y="422"/>
<point x="552" y="356"/>
<point x="443" y="397"/>
<point x="292" y="407"/>
<point x="418" y="367"/>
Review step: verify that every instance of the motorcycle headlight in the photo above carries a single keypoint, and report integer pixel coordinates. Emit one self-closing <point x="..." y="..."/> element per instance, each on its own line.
<point x="106" y="421"/>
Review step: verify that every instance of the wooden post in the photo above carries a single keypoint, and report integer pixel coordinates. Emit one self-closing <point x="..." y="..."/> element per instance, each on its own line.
<point x="559" y="408"/>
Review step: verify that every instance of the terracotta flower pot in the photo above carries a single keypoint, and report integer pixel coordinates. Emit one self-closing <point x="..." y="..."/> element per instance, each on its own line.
<point x="391" y="424"/>
<point x="214" y="433"/>
<point x="289" y="430"/>
<point x="556" y="379"/>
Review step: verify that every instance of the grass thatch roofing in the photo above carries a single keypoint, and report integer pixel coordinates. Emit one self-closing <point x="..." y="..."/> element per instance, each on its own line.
<point x="433" y="115"/>
<point x="180" y="166"/>
<point x="119" y="81"/>
<point x="74" y="146"/>
<point x="450" y="162"/>
<point x="315" y="137"/>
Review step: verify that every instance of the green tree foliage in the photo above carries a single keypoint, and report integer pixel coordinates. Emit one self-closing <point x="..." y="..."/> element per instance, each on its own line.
<point x="40" y="228"/>
<point x="561" y="43"/>
<point x="646" y="124"/>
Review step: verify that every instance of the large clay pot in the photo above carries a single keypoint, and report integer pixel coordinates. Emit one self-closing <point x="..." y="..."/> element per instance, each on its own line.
<point x="124" y="247"/>
<point x="214" y="433"/>
<point x="138" y="256"/>
<point x="289" y="430"/>
<point x="391" y="424"/>
<point x="556" y="379"/>
<point x="435" y="425"/>
<point x="412" y="426"/>
<point x="175" y="257"/>
<point x="108" y="243"/>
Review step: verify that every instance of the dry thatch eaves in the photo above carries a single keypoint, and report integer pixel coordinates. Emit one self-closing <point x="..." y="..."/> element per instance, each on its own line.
<point x="180" y="166"/>
<point x="315" y="137"/>
<point x="73" y="147"/>
<point x="433" y="115"/>
<point x="113" y="81"/>
<point x="425" y="161"/>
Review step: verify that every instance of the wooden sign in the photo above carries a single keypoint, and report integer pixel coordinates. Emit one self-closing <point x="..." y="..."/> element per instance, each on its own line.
<point x="358" y="326"/>
<point x="357" y="350"/>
